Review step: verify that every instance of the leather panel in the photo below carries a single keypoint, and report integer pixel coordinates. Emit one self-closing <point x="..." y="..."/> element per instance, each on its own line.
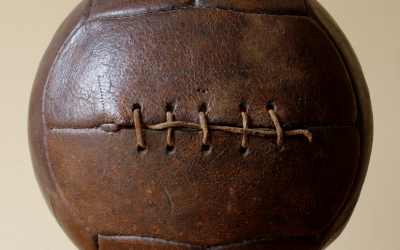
<point x="179" y="58"/>
<point x="202" y="198"/>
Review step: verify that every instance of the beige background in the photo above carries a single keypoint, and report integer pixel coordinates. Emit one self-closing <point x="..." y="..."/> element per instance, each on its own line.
<point x="26" y="28"/>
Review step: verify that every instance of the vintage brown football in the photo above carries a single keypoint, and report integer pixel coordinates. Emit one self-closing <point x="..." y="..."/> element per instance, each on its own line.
<point x="206" y="124"/>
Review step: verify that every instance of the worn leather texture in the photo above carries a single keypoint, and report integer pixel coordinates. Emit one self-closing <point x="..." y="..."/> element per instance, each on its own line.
<point x="221" y="58"/>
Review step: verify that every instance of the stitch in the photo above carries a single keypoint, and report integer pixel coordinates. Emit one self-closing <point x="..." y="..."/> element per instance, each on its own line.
<point x="204" y="127"/>
<point x="137" y="120"/>
<point x="245" y="127"/>
<point x="278" y="127"/>
<point x="169" y="108"/>
<point x="279" y="130"/>
<point x="262" y="132"/>
<point x="170" y="139"/>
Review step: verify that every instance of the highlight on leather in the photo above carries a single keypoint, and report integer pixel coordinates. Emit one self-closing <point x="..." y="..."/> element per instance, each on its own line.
<point x="204" y="127"/>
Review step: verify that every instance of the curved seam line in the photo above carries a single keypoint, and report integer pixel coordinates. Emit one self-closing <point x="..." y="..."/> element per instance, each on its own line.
<point x="121" y="127"/>
<point x="175" y="9"/>
<point x="46" y="129"/>
<point x="347" y="200"/>
<point x="304" y="239"/>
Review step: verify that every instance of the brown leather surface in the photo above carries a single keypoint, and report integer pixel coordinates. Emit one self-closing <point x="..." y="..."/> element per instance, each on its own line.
<point x="110" y="55"/>
<point x="113" y="64"/>
<point x="209" y="199"/>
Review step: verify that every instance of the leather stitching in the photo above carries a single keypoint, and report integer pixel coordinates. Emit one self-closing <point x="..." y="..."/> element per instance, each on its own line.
<point x="204" y="127"/>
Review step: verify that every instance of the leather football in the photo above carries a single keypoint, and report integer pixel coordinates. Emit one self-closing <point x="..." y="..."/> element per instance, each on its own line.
<point x="208" y="124"/>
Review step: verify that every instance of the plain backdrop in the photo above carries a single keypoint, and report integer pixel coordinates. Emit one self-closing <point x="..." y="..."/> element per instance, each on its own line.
<point x="26" y="28"/>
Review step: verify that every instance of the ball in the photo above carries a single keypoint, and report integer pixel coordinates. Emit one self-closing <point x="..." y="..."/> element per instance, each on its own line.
<point x="207" y="124"/>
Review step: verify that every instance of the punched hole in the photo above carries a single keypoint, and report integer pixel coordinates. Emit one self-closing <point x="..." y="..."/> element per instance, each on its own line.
<point x="203" y="91"/>
<point x="244" y="150"/>
<point x="170" y="149"/>
<point x="140" y="149"/>
<point x="270" y="105"/>
<point x="136" y="106"/>
<point x="205" y="148"/>
<point x="203" y="108"/>
<point x="243" y="107"/>
<point x="169" y="107"/>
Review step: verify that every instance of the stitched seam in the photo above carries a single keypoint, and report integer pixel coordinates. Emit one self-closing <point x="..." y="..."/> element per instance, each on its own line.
<point x="117" y="127"/>
<point x="348" y="203"/>
<point x="77" y="27"/>
<point x="184" y="8"/>
<point x="204" y="127"/>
